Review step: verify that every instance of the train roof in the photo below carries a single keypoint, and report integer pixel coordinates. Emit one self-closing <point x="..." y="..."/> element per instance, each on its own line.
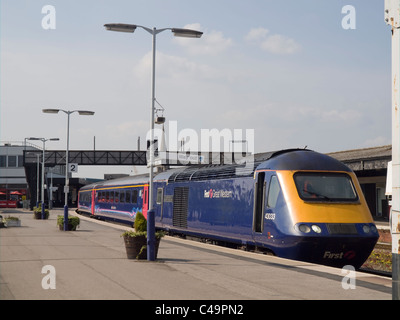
<point x="288" y="159"/>
<point x="302" y="159"/>
<point x="142" y="178"/>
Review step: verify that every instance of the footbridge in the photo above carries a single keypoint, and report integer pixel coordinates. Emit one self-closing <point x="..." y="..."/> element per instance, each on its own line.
<point x="118" y="158"/>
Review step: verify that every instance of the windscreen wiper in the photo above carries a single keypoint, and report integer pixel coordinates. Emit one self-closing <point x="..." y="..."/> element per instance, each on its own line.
<point x="317" y="195"/>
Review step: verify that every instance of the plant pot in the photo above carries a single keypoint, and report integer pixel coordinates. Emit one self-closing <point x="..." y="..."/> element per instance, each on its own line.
<point x="73" y="222"/>
<point x="38" y="215"/>
<point x="71" y="227"/>
<point x="13" y="223"/>
<point x="136" y="247"/>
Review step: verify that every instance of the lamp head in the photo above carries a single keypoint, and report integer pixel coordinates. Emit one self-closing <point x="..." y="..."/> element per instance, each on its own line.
<point x="85" y="113"/>
<point x="186" y="33"/>
<point x="121" y="27"/>
<point x="50" y="110"/>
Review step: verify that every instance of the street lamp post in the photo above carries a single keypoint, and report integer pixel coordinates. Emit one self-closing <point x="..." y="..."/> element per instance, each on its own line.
<point x="178" y="32"/>
<point x="66" y="187"/>
<point x="43" y="161"/>
<point x="37" y="180"/>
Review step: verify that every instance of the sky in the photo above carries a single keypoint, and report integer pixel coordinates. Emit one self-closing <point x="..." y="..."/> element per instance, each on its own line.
<point x="296" y="72"/>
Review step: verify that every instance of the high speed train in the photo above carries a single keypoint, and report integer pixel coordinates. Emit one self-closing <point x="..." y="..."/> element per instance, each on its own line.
<point x="296" y="203"/>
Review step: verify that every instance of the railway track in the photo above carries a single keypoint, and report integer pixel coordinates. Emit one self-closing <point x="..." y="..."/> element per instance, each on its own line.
<point x="379" y="262"/>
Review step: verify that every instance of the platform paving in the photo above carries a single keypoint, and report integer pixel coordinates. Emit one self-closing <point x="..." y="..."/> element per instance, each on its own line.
<point x="91" y="263"/>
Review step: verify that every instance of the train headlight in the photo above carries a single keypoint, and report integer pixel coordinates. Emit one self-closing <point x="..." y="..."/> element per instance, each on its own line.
<point x="366" y="228"/>
<point x="316" y="228"/>
<point x="304" y="228"/>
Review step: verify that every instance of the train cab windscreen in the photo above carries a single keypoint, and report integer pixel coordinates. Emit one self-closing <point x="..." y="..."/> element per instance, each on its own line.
<point x="325" y="187"/>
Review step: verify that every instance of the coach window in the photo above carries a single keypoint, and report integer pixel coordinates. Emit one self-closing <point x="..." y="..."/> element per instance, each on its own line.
<point x="116" y="196"/>
<point x="134" y="196"/>
<point x="273" y="192"/>
<point x="122" y="196"/>
<point x="159" y="195"/>
<point x="128" y="196"/>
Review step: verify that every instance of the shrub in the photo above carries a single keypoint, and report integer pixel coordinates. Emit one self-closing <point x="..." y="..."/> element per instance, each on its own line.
<point x="12" y="218"/>
<point x="140" y="224"/>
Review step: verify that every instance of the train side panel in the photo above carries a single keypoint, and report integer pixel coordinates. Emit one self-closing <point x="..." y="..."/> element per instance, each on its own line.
<point x="85" y="201"/>
<point x="220" y="209"/>
<point x="119" y="203"/>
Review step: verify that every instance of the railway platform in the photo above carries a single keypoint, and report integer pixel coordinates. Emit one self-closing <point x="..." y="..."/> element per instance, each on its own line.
<point x="40" y="262"/>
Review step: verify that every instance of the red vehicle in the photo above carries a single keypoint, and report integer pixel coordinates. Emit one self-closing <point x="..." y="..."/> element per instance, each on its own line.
<point x="11" y="199"/>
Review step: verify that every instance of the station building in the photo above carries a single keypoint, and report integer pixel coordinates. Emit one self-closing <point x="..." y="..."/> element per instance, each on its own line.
<point x="15" y="191"/>
<point x="13" y="184"/>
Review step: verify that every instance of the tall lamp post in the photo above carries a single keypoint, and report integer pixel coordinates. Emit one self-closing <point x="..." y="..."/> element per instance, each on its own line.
<point x="178" y="32"/>
<point x="43" y="161"/>
<point x="66" y="187"/>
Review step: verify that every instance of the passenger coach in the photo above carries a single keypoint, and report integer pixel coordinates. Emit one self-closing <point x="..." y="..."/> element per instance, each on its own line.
<point x="297" y="204"/>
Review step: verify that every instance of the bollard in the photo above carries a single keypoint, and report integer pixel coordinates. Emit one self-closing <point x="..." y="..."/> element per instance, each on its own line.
<point x="151" y="236"/>
<point x="43" y="215"/>
<point x="65" y="218"/>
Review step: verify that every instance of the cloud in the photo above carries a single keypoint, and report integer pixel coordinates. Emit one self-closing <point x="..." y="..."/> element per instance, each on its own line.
<point x="174" y="67"/>
<point x="256" y="34"/>
<point x="272" y="43"/>
<point x="127" y="128"/>
<point x="211" y="43"/>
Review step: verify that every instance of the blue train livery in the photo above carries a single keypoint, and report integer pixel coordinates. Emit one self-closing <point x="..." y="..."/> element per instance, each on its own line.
<point x="297" y="204"/>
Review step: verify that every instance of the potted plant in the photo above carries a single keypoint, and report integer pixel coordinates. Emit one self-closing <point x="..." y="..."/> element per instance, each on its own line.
<point x="12" y="221"/>
<point x="37" y="212"/>
<point x="73" y="222"/>
<point x="136" y="241"/>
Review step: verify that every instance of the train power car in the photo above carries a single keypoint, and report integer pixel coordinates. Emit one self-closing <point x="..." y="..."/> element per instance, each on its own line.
<point x="296" y="203"/>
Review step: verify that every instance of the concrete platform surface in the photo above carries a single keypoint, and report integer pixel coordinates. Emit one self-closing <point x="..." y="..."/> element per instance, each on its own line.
<point x="38" y="261"/>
